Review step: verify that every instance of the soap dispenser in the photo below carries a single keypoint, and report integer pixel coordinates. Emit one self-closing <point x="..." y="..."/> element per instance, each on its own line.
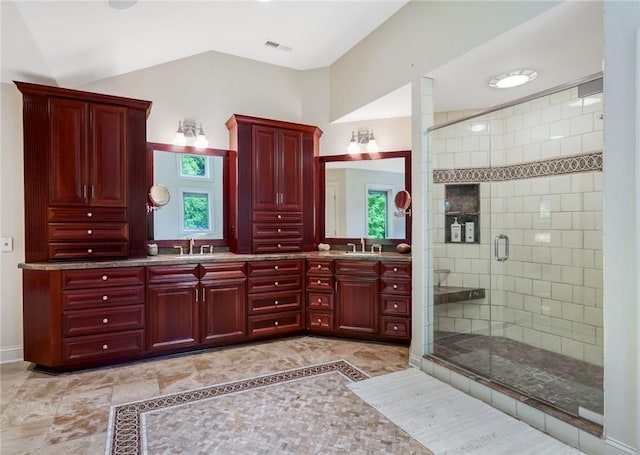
<point x="456" y="231"/>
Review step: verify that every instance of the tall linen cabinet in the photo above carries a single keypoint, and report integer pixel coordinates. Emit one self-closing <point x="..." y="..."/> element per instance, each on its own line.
<point x="276" y="185"/>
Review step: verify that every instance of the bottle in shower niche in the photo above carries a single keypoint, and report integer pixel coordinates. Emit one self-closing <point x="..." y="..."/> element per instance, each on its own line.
<point x="456" y="231"/>
<point x="469" y="232"/>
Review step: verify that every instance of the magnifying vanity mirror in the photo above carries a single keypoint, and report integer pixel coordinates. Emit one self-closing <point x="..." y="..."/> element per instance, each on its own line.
<point x="191" y="186"/>
<point x="358" y="195"/>
<point x="402" y="201"/>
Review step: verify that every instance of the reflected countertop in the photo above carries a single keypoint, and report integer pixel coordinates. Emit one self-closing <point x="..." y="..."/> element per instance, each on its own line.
<point x="175" y="259"/>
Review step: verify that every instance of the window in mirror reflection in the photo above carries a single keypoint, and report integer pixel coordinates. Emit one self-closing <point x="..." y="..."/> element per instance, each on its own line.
<point x="196" y="186"/>
<point x="377" y="214"/>
<point x="195" y="211"/>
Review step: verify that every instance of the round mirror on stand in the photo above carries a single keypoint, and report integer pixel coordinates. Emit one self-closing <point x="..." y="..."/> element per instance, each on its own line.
<point x="159" y="196"/>
<point x="403" y="202"/>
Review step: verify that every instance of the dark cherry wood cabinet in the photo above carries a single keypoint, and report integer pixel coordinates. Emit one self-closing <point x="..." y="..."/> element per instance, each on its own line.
<point x="275" y="163"/>
<point x="357" y="296"/>
<point x="320" y="296"/>
<point x="395" y="295"/>
<point x="173" y="310"/>
<point x="82" y="152"/>
<point x="275" y="297"/>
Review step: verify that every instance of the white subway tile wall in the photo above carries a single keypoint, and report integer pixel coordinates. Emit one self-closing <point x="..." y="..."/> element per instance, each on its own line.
<point x="549" y="293"/>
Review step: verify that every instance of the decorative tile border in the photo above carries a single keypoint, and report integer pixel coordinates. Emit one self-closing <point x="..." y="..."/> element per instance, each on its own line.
<point x="124" y="430"/>
<point x="557" y="166"/>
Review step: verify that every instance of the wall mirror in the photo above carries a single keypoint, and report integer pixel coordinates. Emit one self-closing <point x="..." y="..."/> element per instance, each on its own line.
<point x="198" y="182"/>
<point x="357" y="197"/>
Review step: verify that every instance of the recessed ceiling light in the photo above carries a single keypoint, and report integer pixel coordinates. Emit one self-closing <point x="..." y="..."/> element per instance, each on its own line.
<point x="513" y="79"/>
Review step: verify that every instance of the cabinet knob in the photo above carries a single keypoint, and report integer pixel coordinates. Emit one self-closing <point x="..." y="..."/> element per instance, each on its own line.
<point x="395" y="269"/>
<point x="276" y="302"/>
<point x="319" y="299"/>
<point x="275" y="323"/>
<point x="105" y="347"/>
<point x="89" y="231"/>
<point x="104" y="277"/>
<point x="279" y="217"/>
<point x="395" y="306"/>
<point x="319" y="266"/>
<point x="89" y="250"/>
<point x="319" y="320"/>
<point x="279" y="246"/>
<point x="395" y="327"/>
<point x="319" y="281"/>
<point x="105" y="321"/>
<point x="279" y="230"/>
<point x="105" y="298"/>
<point x="275" y="267"/>
<point x="89" y="214"/>
<point x="395" y="286"/>
<point x="275" y="283"/>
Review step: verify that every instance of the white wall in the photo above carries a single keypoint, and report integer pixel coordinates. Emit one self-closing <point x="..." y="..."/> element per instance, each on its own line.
<point x="621" y="227"/>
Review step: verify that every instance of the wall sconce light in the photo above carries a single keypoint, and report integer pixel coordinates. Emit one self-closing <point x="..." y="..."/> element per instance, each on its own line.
<point x="361" y="137"/>
<point x="188" y="130"/>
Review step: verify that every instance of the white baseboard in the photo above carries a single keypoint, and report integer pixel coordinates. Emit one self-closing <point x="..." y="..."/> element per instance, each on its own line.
<point x="415" y="361"/>
<point x="11" y="354"/>
<point x="613" y="447"/>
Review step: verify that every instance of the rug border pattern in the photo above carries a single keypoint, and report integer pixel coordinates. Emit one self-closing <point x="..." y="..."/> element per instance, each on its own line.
<point x="124" y="435"/>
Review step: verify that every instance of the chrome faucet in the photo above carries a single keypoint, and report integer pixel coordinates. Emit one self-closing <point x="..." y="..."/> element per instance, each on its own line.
<point x="353" y="246"/>
<point x="362" y="243"/>
<point x="192" y="242"/>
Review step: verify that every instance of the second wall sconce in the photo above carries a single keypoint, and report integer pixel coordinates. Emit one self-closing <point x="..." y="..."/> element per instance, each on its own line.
<point x="361" y="137"/>
<point x="187" y="130"/>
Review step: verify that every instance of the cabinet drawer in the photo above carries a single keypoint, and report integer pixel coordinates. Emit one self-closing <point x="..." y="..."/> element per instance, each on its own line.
<point x="320" y="320"/>
<point x="275" y="301"/>
<point x="98" y="278"/>
<point x="222" y="270"/>
<point x="320" y="300"/>
<point x="396" y="328"/>
<point x="288" y="321"/>
<point x="112" y="319"/>
<point x="277" y="246"/>
<point x="277" y="231"/>
<point x="173" y="273"/>
<point x="277" y="217"/>
<point x="88" y="232"/>
<point x="99" y="298"/>
<point x="396" y="305"/>
<point x="357" y="267"/>
<point x="286" y="266"/>
<point x="324" y="283"/>
<point x="395" y="269"/>
<point x="105" y="345"/>
<point x="88" y="250"/>
<point x="92" y="214"/>
<point x="275" y="283"/>
<point x="393" y="286"/>
<point x="319" y="266"/>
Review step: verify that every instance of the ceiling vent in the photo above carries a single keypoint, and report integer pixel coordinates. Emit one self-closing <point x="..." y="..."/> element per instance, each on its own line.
<point x="279" y="46"/>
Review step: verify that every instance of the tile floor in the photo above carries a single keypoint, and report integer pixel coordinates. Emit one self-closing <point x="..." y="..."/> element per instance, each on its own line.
<point x="69" y="413"/>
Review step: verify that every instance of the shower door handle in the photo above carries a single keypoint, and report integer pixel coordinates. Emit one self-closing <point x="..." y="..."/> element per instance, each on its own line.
<point x="496" y="248"/>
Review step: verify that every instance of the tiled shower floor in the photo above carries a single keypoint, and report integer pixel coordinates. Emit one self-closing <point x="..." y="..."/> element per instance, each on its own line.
<point x="559" y="380"/>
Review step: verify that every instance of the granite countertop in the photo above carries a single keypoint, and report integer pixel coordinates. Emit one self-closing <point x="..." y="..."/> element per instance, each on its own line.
<point x="175" y="259"/>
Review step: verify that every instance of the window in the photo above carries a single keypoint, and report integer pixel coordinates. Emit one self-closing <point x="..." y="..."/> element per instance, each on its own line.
<point x="377" y="214"/>
<point x="193" y="166"/>
<point x="195" y="211"/>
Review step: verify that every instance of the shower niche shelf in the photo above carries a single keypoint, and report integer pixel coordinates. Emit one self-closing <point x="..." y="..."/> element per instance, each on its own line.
<point x="462" y="201"/>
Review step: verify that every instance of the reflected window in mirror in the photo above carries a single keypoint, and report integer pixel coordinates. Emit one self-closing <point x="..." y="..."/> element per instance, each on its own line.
<point x="198" y="181"/>
<point x="356" y="199"/>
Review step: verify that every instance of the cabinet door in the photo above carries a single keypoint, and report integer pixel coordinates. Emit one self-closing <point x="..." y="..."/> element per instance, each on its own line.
<point x="265" y="193"/>
<point x="224" y="310"/>
<point x="290" y="170"/>
<point x="172" y="315"/>
<point x="68" y="143"/>
<point x="357" y="303"/>
<point x="107" y="156"/>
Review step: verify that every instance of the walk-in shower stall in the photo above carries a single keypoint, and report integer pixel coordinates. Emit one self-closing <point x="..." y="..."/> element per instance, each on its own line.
<point x="517" y="246"/>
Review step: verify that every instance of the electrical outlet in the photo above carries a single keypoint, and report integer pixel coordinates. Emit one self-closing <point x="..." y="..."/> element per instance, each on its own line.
<point x="7" y="244"/>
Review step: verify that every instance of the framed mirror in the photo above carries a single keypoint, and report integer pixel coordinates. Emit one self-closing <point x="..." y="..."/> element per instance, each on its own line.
<point x="197" y="181"/>
<point x="357" y="197"/>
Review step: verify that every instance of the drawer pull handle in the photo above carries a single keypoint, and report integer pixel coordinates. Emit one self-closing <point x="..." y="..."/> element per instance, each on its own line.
<point x="104" y="277"/>
<point x="279" y="246"/>
<point x="105" y="347"/>
<point x="89" y="231"/>
<point x="276" y="302"/>
<point x="395" y="269"/>
<point x="89" y="251"/>
<point x="105" y="321"/>
<point x="275" y="284"/>
<point x="395" y="306"/>
<point x="279" y="217"/>
<point x="105" y="298"/>
<point x="276" y="323"/>
<point x="395" y="286"/>
<point x="275" y="267"/>
<point x="89" y="214"/>
<point x="279" y="230"/>
<point x="395" y="327"/>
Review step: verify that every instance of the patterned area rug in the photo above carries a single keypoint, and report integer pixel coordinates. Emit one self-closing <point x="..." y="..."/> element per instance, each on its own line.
<point x="305" y="410"/>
